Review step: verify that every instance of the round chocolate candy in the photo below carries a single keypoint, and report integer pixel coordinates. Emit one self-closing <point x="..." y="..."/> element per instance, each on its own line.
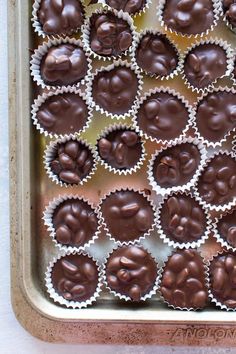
<point x="226" y="228"/>
<point x="130" y="6"/>
<point x="131" y="272"/>
<point x="229" y="9"/>
<point x="183" y="280"/>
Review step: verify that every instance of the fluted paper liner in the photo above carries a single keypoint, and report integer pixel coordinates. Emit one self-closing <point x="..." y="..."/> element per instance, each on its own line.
<point x="134" y="15"/>
<point x="217" y="234"/>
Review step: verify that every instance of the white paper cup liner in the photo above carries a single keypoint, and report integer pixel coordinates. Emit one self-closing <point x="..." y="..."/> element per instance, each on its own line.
<point x="234" y="146"/>
<point x="42" y="98"/>
<point x="110" y="67"/>
<point x="133" y="15"/>
<point x="43" y="49"/>
<point x="60" y="299"/>
<point x="50" y="153"/>
<point x="217" y="234"/>
<point x="163" y="191"/>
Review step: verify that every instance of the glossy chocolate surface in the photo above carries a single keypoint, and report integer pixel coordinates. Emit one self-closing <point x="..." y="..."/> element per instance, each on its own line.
<point x="121" y="148"/>
<point x="72" y="161"/>
<point x="65" y="64"/>
<point x="130" y="6"/>
<point x="75" y="222"/>
<point x="217" y="183"/>
<point x="223" y="279"/>
<point x="227" y="228"/>
<point x="109" y="34"/>
<point x="182" y="218"/>
<point x="131" y="271"/>
<point x="183" y="282"/>
<point x="156" y="55"/>
<point x="188" y="16"/>
<point x="162" y="116"/>
<point x="204" y="64"/>
<point x="115" y="90"/>
<point x="127" y="214"/>
<point x="75" y="277"/>
<point x="229" y="8"/>
<point x="60" y="16"/>
<point x="63" y="114"/>
<point x="216" y="115"/>
<point x="176" y="165"/>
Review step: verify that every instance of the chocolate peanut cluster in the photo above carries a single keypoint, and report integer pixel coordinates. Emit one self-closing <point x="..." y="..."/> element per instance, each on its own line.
<point x="227" y="228"/>
<point x="130" y="6"/>
<point x="229" y="7"/>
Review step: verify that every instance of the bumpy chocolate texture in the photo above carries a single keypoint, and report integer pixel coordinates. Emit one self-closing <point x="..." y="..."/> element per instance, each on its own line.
<point x="156" y="55"/>
<point x="217" y="183"/>
<point x="131" y="271"/>
<point x="65" y="64"/>
<point x="188" y="16"/>
<point x="74" y="222"/>
<point x="182" y="219"/>
<point x="127" y="214"/>
<point x="72" y="162"/>
<point x="183" y="282"/>
<point x="227" y="228"/>
<point x="223" y="279"/>
<point x="176" y="166"/>
<point x="63" y="114"/>
<point x="204" y="64"/>
<point x="229" y="7"/>
<point x="216" y="115"/>
<point x="121" y="148"/>
<point x="162" y="116"/>
<point x="60" y="16"/>
<point x="130" y="6"/>
<point x="115" y="90"/>
<point x="109" y="35"/>
<point x="75" y="277"/>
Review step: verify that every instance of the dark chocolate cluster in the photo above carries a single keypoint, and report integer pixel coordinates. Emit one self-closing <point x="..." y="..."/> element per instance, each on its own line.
<point x="229" y="7"/>
<point x="130" y="6"/>
<point x="227" y="228"/>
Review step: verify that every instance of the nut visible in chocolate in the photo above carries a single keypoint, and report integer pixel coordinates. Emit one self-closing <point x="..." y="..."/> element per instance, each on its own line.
<point x="130" y="6"/>
<point x="131" y="271"/>
<point x="229" y="8"/>
<point x="227" y="228"/>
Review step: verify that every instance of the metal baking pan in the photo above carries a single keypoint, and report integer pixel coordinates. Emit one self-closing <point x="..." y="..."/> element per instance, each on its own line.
<point x="109" y="321"/>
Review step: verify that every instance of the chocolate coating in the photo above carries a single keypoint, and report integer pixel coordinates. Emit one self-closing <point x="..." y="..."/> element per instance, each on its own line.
<point x="162" y="116"/>
<point x="109" y="34"/>
<point x="204" y="64"/>
<point x="130" y="6"/>
<point x="121" y="148"/>
<point x="65" y="64"/>
<point x="183" y="282"/>
<point x="229" y="8"/>
<point x="115" y="90"/>
<point x="234" y="69"/>
<point x="223" y="279"/>
<point x="216" y="115"/>
<point x="60" y="16"/>
<point x="176" y="165"/>
<point x="72" y="161"/>
<point x="227" y="228"/>
<point x="217" y="183"/>
<point x="75" y="222"/>
<point x="182" y="219"/>
<point x="156" y="55"/>
<point x="127" y="214"/>
<point x="63" y="114"/>
<point x="131" y="271"/>
<point x="188" y="16"/>
<point x="75" y="277"/>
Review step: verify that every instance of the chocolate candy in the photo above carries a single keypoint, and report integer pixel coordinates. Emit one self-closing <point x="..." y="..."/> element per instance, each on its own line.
<point x="234" y="69"/>
<point x="130" y="6"/>
<point x="60" y="16"/>
<point x="229" y="8"/>
<point x="175" y="166"/>
<point x="217" y="184"/>
<point x="216" y="115"/>
<point x="188" y="16"/>
<point x="72" y="161"/>
<point x="109" y="34"/>
<point x="156" y="55"/>
<point x="74" y="222"/>
<point x="227" y="228"/>
<point x="115" y="90"/>
<point x="204" y="64"/>
<point x="75" y="277"/>
<point x="65" y="64"/>
<point x="163" y="116"/>
<point x="63" y="114"/>
<point x="223" y="279"/>
<point x="120" y="148"/>
<point x="183" y="281"/>
<point x="182" y="218"/>
<point x="127" y="214"/>
<point x="131" y="271"/>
